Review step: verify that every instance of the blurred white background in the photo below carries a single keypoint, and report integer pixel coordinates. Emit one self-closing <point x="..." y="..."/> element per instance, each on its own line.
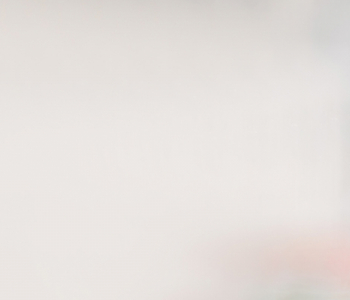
<point x="138" y="139"/>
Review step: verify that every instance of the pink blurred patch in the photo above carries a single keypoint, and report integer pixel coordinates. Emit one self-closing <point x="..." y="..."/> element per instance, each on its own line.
<point x="324" y="260"/>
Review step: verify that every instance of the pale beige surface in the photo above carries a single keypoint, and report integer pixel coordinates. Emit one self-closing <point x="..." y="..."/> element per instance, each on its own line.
<point x="134" y="136"/>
